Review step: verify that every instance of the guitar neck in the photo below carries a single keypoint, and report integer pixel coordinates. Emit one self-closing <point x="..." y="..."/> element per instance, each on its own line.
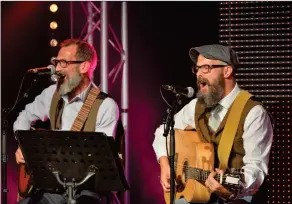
<point x="202" y="175"/>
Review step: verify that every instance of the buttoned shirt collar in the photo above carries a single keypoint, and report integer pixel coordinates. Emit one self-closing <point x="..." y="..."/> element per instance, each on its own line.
<point x="228" y="100"/>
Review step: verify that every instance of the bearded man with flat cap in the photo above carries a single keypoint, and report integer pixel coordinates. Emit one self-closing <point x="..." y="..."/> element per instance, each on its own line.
<point x="209" y="114"/>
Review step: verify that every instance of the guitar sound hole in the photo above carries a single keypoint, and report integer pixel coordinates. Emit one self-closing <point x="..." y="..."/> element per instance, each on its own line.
<point x="179" y="184"/>
<point x="185" y="171"/>
<point x="181" y="179"/>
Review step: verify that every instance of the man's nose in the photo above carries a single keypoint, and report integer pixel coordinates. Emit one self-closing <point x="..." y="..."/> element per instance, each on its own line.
<point x="199" y="73"/>
<point x="58" y="68"/>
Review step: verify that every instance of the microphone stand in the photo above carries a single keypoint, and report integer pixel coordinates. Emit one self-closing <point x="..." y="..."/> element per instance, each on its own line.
<point x="169" y="129"/>
<point x="4" y="155"/>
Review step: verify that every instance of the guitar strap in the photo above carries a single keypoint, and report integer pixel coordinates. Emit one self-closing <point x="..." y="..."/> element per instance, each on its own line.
<point x="85" y="109"/>
<point x="231" y="127"/>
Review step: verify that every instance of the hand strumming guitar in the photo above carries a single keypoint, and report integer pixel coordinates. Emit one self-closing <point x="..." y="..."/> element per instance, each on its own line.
<point x="19" y="157"/>
<point x="165" y="173"/>
<point x="215" y="187"/>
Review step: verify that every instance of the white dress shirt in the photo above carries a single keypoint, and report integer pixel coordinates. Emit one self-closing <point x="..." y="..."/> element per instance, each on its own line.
<point x="257" y="138"/>
<point x="106" y="119"/>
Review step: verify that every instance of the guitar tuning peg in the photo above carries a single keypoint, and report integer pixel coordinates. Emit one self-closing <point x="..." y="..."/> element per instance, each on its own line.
<point x="233" y="170"/>
<point x="236" y="171"/>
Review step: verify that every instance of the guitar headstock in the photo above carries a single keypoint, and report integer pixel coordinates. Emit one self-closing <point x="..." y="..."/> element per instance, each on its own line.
<point x="233" y="181"/>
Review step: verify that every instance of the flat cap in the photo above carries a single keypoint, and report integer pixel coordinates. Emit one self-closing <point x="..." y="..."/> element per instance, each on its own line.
<point x="217" y="52"/>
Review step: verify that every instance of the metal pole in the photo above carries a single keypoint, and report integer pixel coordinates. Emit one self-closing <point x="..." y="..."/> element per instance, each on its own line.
<point x="125" y="95"/>
<point x="71" y="20"/>
<point x="103" y="48"/>
<point x="90" y="23"/>
<point x="4" y="156"/>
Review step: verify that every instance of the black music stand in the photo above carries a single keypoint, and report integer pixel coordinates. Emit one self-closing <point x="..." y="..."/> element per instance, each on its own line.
<point x="59" y="160"/>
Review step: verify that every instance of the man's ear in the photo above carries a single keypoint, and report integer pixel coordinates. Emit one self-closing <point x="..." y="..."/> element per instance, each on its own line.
<point x="84" y="67"/>
<point x="227" y="71"/>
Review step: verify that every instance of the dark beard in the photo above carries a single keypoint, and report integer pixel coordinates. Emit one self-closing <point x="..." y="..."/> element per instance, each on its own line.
<point x="214" y="94"/>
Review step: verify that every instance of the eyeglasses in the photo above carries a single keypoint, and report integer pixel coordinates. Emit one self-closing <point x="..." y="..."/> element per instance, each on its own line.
<point x="206" y="68"/>
<point x="64" y="63"/>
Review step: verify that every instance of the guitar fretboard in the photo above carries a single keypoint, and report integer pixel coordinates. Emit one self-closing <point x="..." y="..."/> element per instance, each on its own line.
<point x="201" y="175"/>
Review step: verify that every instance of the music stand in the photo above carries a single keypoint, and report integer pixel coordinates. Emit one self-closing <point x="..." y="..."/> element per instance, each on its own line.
<point x="58" y="160"/>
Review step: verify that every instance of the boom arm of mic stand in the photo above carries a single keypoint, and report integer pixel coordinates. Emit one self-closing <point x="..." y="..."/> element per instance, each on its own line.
<point x="170" y="129"/>
<point x="171" y="112"/>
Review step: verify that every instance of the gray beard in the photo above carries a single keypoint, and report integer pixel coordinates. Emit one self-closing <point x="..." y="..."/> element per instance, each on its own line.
<point x="68" y="86"/>
<point x="214" y="94"/>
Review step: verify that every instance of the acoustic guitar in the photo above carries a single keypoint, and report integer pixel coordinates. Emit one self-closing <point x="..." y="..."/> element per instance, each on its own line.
<point x="24" y="182"/>
<point x="194" y="160"/>
<point x="24" y="179"/>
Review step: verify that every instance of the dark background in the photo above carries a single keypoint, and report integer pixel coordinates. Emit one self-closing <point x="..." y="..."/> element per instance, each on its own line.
<point x="160" y="35"/>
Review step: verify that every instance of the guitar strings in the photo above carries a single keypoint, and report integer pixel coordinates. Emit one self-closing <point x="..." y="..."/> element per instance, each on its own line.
<point x="196" y="171"/>
<point x="181" y="167"/>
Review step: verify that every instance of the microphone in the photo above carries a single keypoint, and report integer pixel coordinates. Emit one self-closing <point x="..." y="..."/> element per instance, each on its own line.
<point x="51" y="69"/>
<point x="188" y="92"/>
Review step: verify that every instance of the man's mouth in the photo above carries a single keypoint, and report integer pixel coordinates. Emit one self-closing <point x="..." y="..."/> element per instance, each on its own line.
<point x="61" y="75"/>
<point x="202" y="83"/>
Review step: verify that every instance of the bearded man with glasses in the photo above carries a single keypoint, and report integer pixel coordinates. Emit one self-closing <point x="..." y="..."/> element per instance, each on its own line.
<point x="219" y="103"/>
<point x="75" y="64"/>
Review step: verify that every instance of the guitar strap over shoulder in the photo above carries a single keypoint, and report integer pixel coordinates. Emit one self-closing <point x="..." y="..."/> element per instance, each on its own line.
<point x="90" y="125"/>
<point x="230" y="129"/>
<point x="85" y="109"/>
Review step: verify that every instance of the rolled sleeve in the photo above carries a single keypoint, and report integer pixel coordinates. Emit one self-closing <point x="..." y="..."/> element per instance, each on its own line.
<point x="257" y="142"/>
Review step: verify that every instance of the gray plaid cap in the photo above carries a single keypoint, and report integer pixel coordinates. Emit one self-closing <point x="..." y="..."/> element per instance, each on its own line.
<point x="216" y="52"/>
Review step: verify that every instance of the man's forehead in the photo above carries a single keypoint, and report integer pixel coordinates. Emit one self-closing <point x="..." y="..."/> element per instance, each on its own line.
<point x="68" y="51"/>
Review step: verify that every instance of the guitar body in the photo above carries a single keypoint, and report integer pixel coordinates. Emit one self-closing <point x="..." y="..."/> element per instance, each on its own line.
<point x="24" y="181"/>
<point x="191" y="152"/>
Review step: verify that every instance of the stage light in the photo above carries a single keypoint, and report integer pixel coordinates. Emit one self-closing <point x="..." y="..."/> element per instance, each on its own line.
<point x="53" y="25"/>
<point x="53" y="43"/>
<point x="53" y="8"/>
